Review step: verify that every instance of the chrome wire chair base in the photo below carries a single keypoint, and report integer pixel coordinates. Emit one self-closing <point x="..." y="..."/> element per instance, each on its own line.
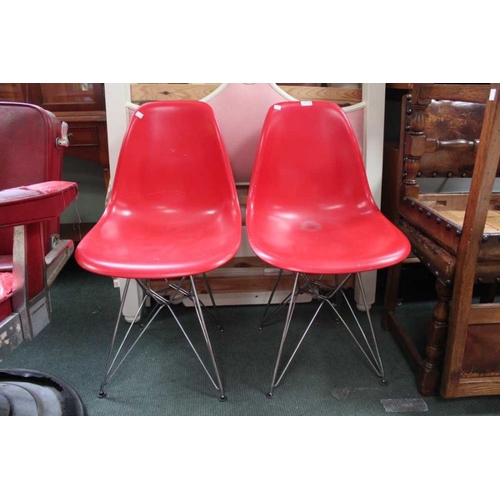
<point x="326" y="294"/>
<point x="162" y="299"/>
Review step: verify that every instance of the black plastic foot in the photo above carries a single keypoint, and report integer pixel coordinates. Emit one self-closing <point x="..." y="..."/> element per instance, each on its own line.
<point x="270" y="395"/>
<point x="223" y="398"/>
<point x="383" y="382"/>
<point x="101" y="394"/>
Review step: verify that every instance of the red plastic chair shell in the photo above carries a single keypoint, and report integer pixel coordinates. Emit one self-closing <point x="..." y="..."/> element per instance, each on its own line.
<point x="173" y="209"/>
<point x="310" y="208"/>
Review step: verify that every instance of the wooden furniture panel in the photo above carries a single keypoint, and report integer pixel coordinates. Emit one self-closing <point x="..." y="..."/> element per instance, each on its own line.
<point x="80" y="105"/>
<point x="452" y="130"/>
<point x="88" y="137"/>
<point x="144" y="92"/>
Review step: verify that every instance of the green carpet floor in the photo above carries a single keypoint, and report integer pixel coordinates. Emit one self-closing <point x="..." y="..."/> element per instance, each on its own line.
<point x="328" y="377"/>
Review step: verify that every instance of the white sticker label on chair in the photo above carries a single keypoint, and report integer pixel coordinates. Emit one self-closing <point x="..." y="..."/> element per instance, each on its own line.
<point x="277" y="106"/>
<point x="139" y="114"/>
<point x="306" y="103"/>
<point x="493" y="93"/>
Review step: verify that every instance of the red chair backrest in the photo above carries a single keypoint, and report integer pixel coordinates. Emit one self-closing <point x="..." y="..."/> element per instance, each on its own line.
<point x="173" y="151"/>
<point x="309" y="160"/>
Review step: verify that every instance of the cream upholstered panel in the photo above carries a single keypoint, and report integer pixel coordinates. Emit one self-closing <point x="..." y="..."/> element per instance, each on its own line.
<point x="240" y="109"/>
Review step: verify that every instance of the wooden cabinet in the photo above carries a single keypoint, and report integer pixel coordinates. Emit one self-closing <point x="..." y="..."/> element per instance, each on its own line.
<point x="57" y="97"/>
<point x="393" y="120"/>
<point x="81" y="105"/>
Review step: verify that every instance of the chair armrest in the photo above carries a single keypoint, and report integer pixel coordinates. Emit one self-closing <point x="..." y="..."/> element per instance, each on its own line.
<point x="36" y="202"/>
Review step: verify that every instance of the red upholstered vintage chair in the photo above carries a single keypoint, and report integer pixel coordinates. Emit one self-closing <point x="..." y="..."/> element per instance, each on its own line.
<point x="31" y="142"/>
<point x="31" y="151"/>
<point x="310" y="211"/>
<point x="27" y="209"/>
<point x="173" y="214"/>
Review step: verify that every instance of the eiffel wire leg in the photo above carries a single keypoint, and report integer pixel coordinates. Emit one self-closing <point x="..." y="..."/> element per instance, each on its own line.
<point x="193" y="295"/>
<point x="266" y="318"/>
<point x="311" y="288"/>
<point x="262" y="321"/>
<point x="376" y="353"/>
<point x="162" y="292"/>
<point x="213" y="315"/>
<point x="110" y="363"/>
<point x="199" y="313"/>
<point x="289" y="315"/>
<point x="370" y="351"/>
<point x="181" y="294"/>
<point x="214" y="305"/>
<point x="114" y="362"/>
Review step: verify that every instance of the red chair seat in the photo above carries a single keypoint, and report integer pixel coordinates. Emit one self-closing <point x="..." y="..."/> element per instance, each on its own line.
<point x="331" y="242"/>
<point x="129" y="246"/>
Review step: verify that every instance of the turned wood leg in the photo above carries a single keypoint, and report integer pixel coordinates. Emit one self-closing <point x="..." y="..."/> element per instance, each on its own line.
<point x="430" y="369"/>
<point x="391" y="293"/>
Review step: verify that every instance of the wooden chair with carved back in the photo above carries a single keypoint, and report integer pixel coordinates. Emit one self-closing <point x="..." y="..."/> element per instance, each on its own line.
<point x="452" y="131"/>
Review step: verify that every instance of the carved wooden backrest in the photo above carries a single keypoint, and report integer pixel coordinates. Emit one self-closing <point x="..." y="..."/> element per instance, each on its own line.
<point x="441" y="132"/>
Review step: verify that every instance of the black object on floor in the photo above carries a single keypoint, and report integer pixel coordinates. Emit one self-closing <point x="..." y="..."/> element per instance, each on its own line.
<point x="34" y="393"/>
